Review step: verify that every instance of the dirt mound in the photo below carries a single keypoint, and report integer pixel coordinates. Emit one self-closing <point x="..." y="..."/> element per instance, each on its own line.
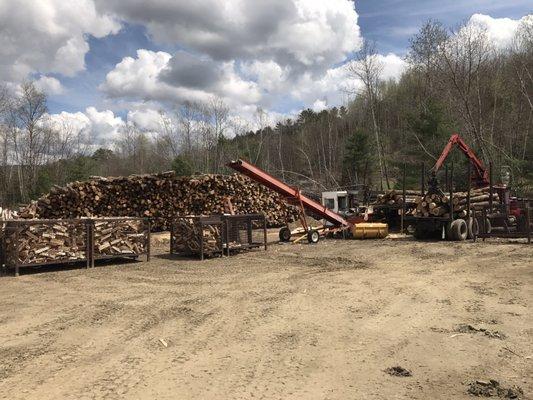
<point x="398" y="371"/>
<point x="492" y="388"/>
<point x="467" y="328"/>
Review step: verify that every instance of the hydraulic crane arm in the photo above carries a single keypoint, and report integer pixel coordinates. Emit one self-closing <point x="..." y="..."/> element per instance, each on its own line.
<point x="480" y="175"/>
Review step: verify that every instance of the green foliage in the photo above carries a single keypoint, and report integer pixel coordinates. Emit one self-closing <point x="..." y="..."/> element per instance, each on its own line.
<point x="102" y="155"/>
<point x="182" y="166"/>
<point x="80" y="168"/>
<point x="43" y="184"/>
<point x="358" y="158"/>
<point x="430" y="125"/>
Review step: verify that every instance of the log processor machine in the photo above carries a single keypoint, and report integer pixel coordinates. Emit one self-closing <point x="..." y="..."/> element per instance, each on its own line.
<point x="509" y="213"/>
<point x="335" y="224"/>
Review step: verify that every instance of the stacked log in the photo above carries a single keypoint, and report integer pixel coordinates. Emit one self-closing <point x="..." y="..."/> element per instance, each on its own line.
<point x="45" y="243"/>
<point x="436" y="205"/>
<point x="120" y="237"/>
<point x="6" y="213"/>
<point x="189" y="233"/>
<point x="395" y="197"/>
<point x="162" y="197"/>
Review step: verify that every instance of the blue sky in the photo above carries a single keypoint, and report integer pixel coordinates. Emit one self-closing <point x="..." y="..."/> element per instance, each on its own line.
<point x="126" y="59"/>
<point x="391" y="22"/>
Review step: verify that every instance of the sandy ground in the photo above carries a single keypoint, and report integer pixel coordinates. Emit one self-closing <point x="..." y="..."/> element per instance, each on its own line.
<point x="295" y="322"/>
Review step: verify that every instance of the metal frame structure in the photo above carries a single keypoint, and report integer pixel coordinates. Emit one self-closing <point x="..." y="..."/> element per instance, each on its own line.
<point x="201" y="222"/>
<point x="292" y="195"/>
<point x="236" y="225"/>
<point x="135" y="256"/>
<point x="501" y="217"/>
<point x="506" y="232"/>
<point x="236" y="233"/>
<point x="438" y="223"/>
<point x="481" y="174"/>
<point x="89" y="259"/>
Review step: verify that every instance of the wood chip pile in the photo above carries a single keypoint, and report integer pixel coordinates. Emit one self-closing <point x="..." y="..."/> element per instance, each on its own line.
<point x="161" y="197"/>
<point x="439" y="205"/>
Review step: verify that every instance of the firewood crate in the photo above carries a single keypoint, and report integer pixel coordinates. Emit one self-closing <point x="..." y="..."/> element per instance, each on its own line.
<point x="197" y="235"/>
<point x="33" y="243"/>
<point x="242" y="232"/>
<point x="119" y="237"/>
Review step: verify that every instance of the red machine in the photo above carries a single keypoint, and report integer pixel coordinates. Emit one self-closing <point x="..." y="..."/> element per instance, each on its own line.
<point x="480" y="175"/>
<point x="295" y="197"/>
<point x="512" y="210"/>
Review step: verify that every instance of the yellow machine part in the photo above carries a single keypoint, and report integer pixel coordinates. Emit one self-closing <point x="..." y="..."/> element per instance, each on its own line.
<point x="367" y="230"/>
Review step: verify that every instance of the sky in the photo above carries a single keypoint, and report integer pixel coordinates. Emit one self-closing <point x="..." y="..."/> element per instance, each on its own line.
<point x="105" y="63"/>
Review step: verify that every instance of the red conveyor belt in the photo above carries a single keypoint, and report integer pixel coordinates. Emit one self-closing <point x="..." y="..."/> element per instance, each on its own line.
<point x="290" y="193"/>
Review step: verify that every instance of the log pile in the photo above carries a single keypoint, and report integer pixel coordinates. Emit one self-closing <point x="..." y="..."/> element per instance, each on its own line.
<point x="6" y="213"/>
<point x="45" y="243"/>
<point x="160" y="196"/>
<point x="435" y="205"/>
<point x="395" y="197"/>
<point x="120" y="237"/>
<point x="189" y="233"/>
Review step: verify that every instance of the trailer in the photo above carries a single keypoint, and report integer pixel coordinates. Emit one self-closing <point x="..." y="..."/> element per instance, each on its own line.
<point x="335" y="224"/>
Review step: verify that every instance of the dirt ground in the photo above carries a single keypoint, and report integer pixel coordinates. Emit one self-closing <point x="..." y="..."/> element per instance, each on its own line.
<point x="295" y="322"/>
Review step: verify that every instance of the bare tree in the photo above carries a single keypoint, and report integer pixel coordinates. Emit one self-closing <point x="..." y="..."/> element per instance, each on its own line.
<point x="461" y="65"/>
<point x="5" y="170"/>
<point x="368" y="68"/>
<point x="30" y="136"/>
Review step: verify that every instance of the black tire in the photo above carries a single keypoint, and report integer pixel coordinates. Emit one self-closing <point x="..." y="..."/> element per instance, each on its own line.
<point x="488" y="225"/>
<point x="473" y="227"/>
<point x="313" y="236"/>
<point x="420" y="232"/>
<point x="284" y="234"/>
<point x="459" y="230"/>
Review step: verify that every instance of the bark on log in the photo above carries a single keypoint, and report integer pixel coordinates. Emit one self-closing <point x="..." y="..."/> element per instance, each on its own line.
<point x="162" y="197"/>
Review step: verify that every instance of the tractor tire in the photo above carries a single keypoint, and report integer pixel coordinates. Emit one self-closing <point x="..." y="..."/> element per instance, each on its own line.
<point x="473" y="227"/>
<point x="284" y="234"/>
<point x="487" y="227"/>
<point x="420" y="232"/>
<point x="459" y="230"/>
<point x="313" y="236"/>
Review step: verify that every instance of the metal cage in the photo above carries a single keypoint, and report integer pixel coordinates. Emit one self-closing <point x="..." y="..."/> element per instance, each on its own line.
<point x="244" y="232"/>
<point x="78" y="233"/>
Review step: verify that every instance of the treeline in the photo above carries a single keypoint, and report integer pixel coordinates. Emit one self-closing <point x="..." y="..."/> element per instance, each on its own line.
<point x="456" y="81"/>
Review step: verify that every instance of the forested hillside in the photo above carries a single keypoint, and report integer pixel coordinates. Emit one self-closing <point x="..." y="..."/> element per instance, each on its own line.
<point x="457" y="81"/>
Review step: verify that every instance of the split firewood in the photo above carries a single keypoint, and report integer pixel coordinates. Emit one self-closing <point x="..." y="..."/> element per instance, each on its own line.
<point x="190" y="237"/>
<point x="44" y="243"/>
<point x="161" y="197"/>
<point x="119" y="237"/>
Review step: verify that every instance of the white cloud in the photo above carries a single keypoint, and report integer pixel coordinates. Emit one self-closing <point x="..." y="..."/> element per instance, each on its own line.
<point x="150" y="76"/>
<point x="500" y="31"/>
<point x="146" y="119"/>
<point x="319" y="105"/>
<point x="94" y="127"/>
<point x="48" y="36"/>
<point x="302" y="34"/>
<point x="393" y="66"/>
<point x="49" y="85"/>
